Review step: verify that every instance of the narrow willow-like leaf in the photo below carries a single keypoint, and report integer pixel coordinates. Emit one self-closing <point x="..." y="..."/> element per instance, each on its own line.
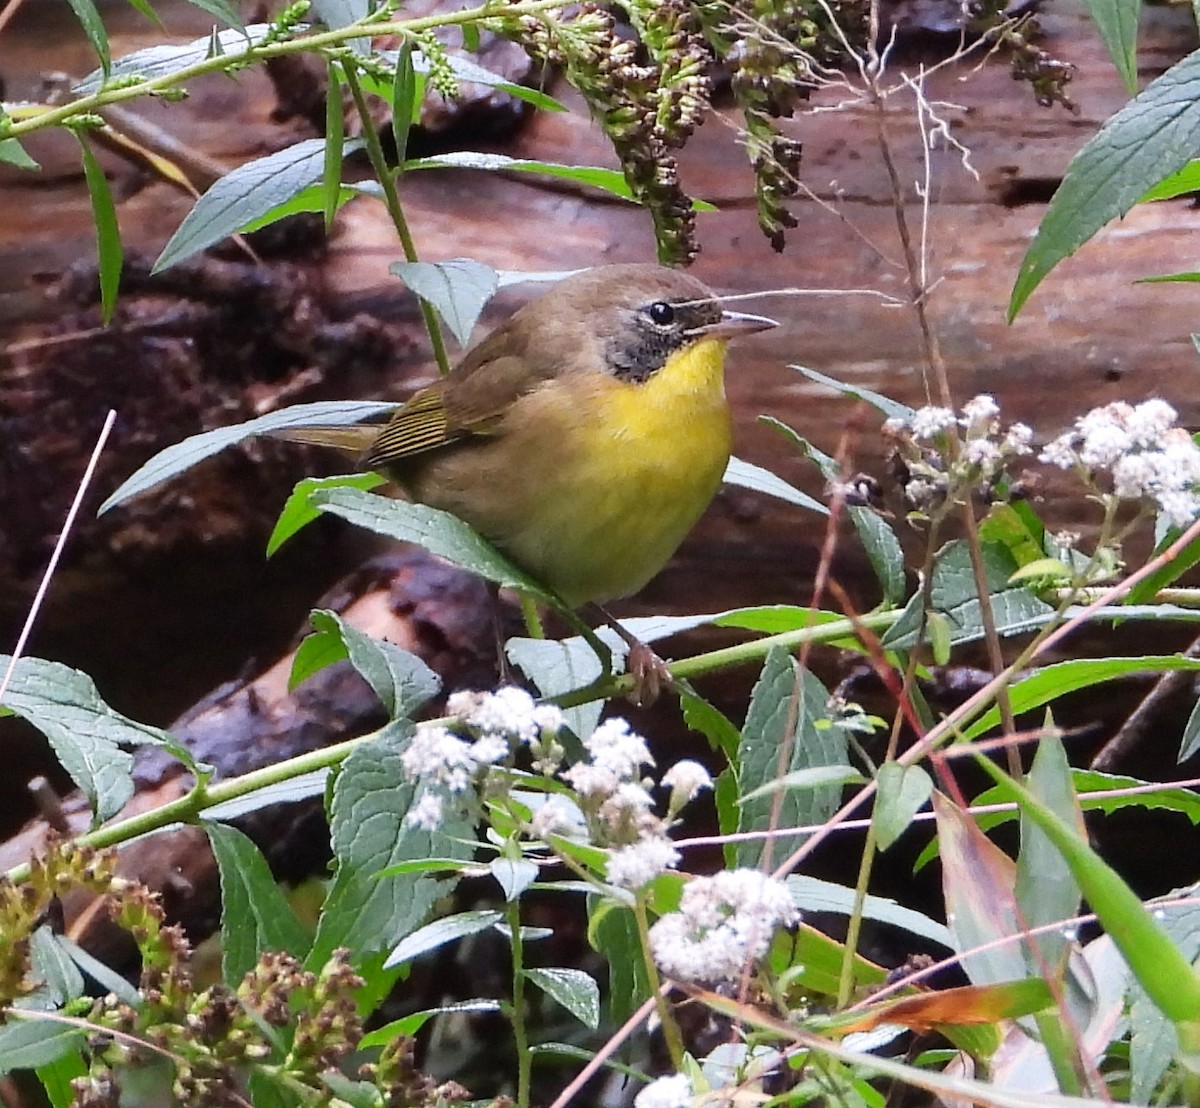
<point x="335" y="133"/>
<point x="1117" y="22"/>
<point x="747" y="475"/>
<point x="404" y="101"/>
<point x="108" y="233"/>
<point x="811" y="894"/>
<point x="1153" y="136"/>
<point x="1163" y="971"/>
<point x="244" y="195"/>
<point x="30" y="1043"/>
<point x="1053" y="681"/>
<point x="255" y="915"/>
<point x="446" y="930"/>
<point x="221" y="10"/>
<point x="93" y="26"/>
<point x="890" y="408"/>
<point x="182" y="456"/>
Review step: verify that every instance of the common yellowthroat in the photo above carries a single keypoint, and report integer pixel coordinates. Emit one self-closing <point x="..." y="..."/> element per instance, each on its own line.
<point x="583" y="437"/>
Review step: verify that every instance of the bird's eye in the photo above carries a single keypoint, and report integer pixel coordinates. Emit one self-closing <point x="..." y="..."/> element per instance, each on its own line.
<point x="661" y="313"/>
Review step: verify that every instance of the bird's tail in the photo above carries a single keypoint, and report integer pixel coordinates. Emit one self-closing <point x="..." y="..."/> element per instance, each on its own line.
<point x="353" y="439"/>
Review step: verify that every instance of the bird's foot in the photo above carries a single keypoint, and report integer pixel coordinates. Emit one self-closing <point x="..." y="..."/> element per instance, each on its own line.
<point x="650" y="675"/>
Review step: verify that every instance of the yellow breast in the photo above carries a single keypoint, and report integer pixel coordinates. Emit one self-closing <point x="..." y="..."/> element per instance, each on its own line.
<point x="615" y="474"/>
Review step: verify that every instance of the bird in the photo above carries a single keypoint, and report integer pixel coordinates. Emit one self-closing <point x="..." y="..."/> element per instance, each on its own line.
<point x="583" y="437"/>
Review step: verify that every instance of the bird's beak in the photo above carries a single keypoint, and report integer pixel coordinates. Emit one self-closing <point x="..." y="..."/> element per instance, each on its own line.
<point x="733" y="325"/>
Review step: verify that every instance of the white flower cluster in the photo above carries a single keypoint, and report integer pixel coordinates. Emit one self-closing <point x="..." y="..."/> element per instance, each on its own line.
<point x="1141" y="450"/>
<point x="448" y="765"/>
<point x="723" y="922"/>
<point x="616" y="799"/>
<point x="674" y="1091"/>
<point x="930" y="477"/>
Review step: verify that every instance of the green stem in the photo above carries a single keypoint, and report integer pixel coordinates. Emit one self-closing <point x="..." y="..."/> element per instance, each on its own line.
<point x="520" y="1031"/>
<point x="391" y="198"/>
<point x="666" y="1017"/>
<point x="38" y="118"/>
<point x="846" y="977"/>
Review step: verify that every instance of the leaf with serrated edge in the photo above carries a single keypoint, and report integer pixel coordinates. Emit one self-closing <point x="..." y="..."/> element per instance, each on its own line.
<point x="785" y="706"/>
<point x="255" y="915"/>
<point x="1153" y="136"/>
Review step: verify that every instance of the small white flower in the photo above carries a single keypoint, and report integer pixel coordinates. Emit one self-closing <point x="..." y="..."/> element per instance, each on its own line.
<point x="1104" y="444"/>
<point x="557" y="816"/>
<point x="1018" y="439"/>
<point x="491" y="748"/>
<point x="685" y="779"/>
<point x="1179" y="508"/>
<point x="427" y="813"/>
<point x="667" y="1092"/>
<point x="589" y="780"/>
<point x="614" y="747"/>
<point x="436" y="755"/>
<point x="633" y="866"/>
<point x="930" y="421"/>
<point x="1060" y="452"/>
<point x="1134" y="476"/>
<point x="1149" y="421"/>
<point x="979" y="415"/>
<point x="894" y="426"/>
<point x="982" y="453"/>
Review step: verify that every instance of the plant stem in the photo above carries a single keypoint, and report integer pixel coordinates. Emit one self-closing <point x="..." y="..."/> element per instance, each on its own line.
<point x="666" y="1017"/>
<point x="38" y="117"/>
<point x="520" y="1031"/>
<point x="391" y="198"/>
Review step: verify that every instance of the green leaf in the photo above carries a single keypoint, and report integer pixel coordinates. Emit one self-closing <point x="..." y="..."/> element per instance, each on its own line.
<point x="108" y="233"/>
<point x="85" y="733"/>
<point x="298" y="512"/>
<point x="575" y="990"/>
<point x="1153" y="136"/>
<point x="404" y="100"/>
<point x="246" y="194"/>
<point x="26" y="1044"/>
<point x="335" y="136"/>
<point x="467" y="70"/>
<point x="978" y="883"/>
<point x="1190" y="742"/>
<point x="438" y="532"/>
<point x="557" y="666"/>
<point x="1160" y="967"/>
<point x="1046" y="891"/>
<point x="342" y="13"/>
<point x="409" y="1025"/>
<point x="13" y="153"/>
<point x="612" y="931"/>
<point x="220" y="9"/>
<point x="746" y="475"/>
<point x="609" y="180"/>
<point x="371" y="797"/>
<point x="401" y="680"/>
<point x="952" y="593"/>
<point x="811" y="894"/>
<point x="902" y="792"/>
<point x="879" y="540"/>
<point x="815" y="777"/>
<point x="56" y="1078"/>
<point x="1053" y="681"/>
<point x="1180" y="183"/>
<point x="1146" y="589"/>
<point x="255" y="915"/>
<point x="93" y="26"/>
<point x="448" y="929"/>
<point x="458" y="289"/>
<point x="513" y="875"/>
<point x="890" y="408"/>
<point x="785" y="707"/>
<point x="710" y="721"/>
<point x="162" y="61"/>
<point x="53" y="968"/>
<point x="1117" y="22"/>
<point x="182" y="456"/>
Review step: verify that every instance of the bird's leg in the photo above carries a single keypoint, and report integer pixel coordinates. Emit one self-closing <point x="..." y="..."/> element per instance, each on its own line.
<point x="649" y="672"/>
